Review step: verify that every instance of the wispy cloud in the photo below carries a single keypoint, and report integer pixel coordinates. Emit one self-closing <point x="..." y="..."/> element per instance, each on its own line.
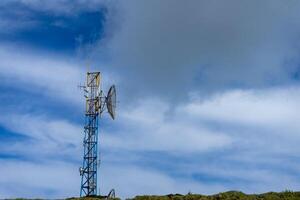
<point x="46" y="137"/>
<point x="274" y="108"/>
<point x="147" y="126"/>
<point x="40" y="73"/>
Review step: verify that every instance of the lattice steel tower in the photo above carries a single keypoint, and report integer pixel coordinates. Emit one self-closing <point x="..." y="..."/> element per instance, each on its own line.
<point x="95" y="105"/>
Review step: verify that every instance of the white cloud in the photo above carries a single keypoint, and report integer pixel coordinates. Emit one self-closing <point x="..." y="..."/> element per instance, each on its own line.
<point x="147" y="127"/>
<point x="45" y="74"/>
<point x="257" y="122"/>
<point x="54" y="76"/>
<point x="47" y="137"/>
<point x="266" y="108"/>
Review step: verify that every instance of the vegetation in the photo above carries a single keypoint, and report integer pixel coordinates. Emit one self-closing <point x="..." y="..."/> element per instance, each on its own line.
<point x="232" y="195"/>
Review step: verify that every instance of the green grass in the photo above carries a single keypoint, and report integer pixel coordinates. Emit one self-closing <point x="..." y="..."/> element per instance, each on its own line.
<point x="231" y="195"/>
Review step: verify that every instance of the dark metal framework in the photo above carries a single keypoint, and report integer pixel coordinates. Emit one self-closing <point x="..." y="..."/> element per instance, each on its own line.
<point x="88" y="171"/>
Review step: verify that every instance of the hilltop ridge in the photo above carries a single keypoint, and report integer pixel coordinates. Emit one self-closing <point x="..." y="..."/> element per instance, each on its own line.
<point x="230" y="195"/>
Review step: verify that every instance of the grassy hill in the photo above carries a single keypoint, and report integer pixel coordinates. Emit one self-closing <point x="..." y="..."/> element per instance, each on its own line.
<point x="231" y="195"/>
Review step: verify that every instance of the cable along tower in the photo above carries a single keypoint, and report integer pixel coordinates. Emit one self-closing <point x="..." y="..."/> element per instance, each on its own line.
<point x="96" y="104"/>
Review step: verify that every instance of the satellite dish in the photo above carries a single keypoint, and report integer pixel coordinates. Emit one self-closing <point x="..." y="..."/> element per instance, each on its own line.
<point x="111" y="101"/>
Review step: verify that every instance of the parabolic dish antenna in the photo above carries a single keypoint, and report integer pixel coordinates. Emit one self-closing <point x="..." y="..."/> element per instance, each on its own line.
<point x="111" y="101"/>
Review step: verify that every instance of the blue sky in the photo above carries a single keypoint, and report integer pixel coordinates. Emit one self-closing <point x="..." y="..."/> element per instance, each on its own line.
<point x="208" y="95"/>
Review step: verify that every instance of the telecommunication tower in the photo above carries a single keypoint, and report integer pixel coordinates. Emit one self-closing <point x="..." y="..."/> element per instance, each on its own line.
<point x="96" y="103"/>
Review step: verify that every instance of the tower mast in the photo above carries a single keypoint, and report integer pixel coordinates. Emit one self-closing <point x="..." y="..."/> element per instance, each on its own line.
<point x="88" y="171"/>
